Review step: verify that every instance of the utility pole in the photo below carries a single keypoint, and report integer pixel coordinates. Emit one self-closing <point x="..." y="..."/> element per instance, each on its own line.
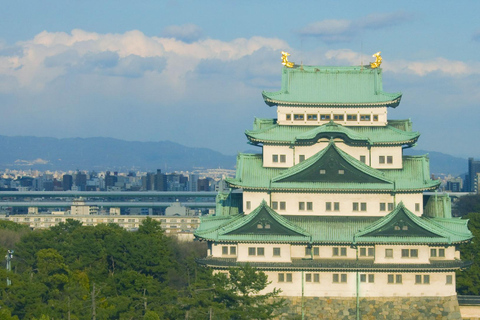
<point x="94" y="314"/>
<point x="9" y="257"/>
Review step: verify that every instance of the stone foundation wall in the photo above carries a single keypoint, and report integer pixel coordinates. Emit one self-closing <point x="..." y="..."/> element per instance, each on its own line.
<point x="394" y="308"/>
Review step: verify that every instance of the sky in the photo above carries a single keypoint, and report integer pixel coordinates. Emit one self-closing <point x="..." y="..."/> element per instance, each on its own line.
<point x="192" y="72"/>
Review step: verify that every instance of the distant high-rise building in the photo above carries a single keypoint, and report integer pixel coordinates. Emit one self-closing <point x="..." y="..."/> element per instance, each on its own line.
<point x="203" y="184"/>
<point x="67" y="182"/>
<point x="81" y="181"/>
<point x="473" y="169"/>
<point x="110" y="180"/>
<point x="192" y="182"/>
<point x="160" y="181"/>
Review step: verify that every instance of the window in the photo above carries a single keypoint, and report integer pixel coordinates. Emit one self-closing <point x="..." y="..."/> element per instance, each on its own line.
<point x="288" y="117"/>
<point x="336" y="206"/>
<point x="233" y="251"/>
<point x="390" y="206"/>
<point x="364" y="252"/>
<point x="298" y="117"/>
<point x="328" y="206"/>
<point x="437" y="253"/>
<point x="363" y="159"/>
<point x="389" y="159"/>
<point x="375" y="117"/>
<point x="409" y="253"/>
<point x="308" y="277"/>
<point x="322" y="171"/>
<point x="316" y="251"/>
<point x="275" y="205"/>
<point x="301" y="206"/>
<point x="312" y="276"/>
<point x="309" y="206"/>
<point x="339" y="251"/>
<point x="394" y="278"/>
<point x="308" y="251"/>
<point x="339" y="278"/>
<point x="324" y="117"/>
<point x="288" y="277"/>
<point x="388" y="253"/>
<point x="363" y="206"/>
<point x="312" y="117"/>
<point x="383" y="206"/>
<point x="351" y="117"/>
<point x="381" y="159"/>
<point x="419" y="279"/>
<point x="283" y="158"/>
<point x="256" y="251"/>
<point x="283" y="205"/>
<point x="367" y="278"/>
<point x="249" y="204"/>
<point x="274" y="157"/>
<point x="449" y="279"/>
<point x="355" y="206"/>
<point x="364" y="117"/>
<point x="301" y="158"/>
<point x="338" y="117"/>
<point x="417" y="207"/>
<point x="276" y="252"/>
<point x="341" y="171"/>
<point x="224" y="250"/>
<point x="281" y="277"/>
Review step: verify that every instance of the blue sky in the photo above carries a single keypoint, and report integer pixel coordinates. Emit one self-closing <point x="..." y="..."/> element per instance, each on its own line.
<point x="193" y="71"/>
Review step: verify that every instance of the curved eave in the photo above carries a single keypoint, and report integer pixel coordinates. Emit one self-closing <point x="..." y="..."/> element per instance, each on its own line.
<point x="313" y="141"/>
<point x="273" y="102"/>
<point x="322" y="265"/>
<point x="353" y="190"/>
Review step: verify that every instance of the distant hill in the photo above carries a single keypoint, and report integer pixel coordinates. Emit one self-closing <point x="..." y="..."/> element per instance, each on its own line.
<point x="105" y="154"/>
<point x="113" y="154"/>
<point x="441" y="163"/>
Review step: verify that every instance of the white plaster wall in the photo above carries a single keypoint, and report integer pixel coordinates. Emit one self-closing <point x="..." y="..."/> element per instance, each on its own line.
<point x="255" y="199"/>
<point x="309" y="151"/>
<point x="319" y="200"/>
<point x="217" y="250"/>
<point x="242" y="252"/>
<point x="269" y="151"/>
<point x="379" y="288"/>
<point x="423" y="254"/>
<point x="395" y="152"/>
<point x="409" y="200"/>
<point x="380" y="111"/>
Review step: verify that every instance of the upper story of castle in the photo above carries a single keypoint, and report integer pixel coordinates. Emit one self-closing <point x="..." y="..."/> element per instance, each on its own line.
<point x="315" y="95"/>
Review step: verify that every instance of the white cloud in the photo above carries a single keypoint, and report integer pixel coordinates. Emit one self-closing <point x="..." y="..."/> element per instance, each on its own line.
<point x="345" y="30"/>
<point x="186" y="32"/>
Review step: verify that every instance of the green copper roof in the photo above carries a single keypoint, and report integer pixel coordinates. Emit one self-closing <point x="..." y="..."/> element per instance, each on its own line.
<point x="332" y="86"/>
<point x="273" y="133"/>
<point x="413" y="177"/>
<point x="329" y="161"/>
<point x="318" y="265"/>
<point x="400" y="225"/>
<point x="325" y="230"/>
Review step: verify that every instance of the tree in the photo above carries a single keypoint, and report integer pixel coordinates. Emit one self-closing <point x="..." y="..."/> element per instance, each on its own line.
<point x="234" y="296"/>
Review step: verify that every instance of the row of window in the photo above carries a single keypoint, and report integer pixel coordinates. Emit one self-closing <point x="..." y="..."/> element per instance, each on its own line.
<point x="336" y="252"/>
<point x="364" y="278"/>
<point x="282" y="158"/>
<point x="330" y="206"/>
<point x="335" y="117"/>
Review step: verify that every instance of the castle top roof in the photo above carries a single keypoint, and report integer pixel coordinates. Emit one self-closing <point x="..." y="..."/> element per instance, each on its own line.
<point x="315" y="86"/>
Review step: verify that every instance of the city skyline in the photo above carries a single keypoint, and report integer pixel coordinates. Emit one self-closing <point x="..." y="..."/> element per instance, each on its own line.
<point x="192" y="72"/>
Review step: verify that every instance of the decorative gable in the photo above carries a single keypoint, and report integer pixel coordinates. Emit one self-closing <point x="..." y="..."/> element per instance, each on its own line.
<point x="264" y="221"/>
<point x="401" y="223"/>
<point x="332" y="165"/>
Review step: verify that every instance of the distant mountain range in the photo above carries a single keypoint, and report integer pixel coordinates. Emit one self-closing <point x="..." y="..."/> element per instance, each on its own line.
<point x="106" y="154"/>
<point x="113" y="154"/>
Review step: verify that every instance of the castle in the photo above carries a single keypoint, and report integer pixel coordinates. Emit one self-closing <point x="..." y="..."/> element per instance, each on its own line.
<point x="332" y="211"/>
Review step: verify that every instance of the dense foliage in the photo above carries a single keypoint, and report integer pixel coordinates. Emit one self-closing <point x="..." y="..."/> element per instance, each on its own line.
<point x="72" y="271"/>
